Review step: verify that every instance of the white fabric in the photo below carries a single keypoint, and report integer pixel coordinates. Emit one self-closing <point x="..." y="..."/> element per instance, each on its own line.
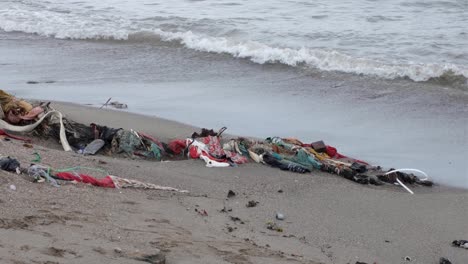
<point x="31" y="127"/>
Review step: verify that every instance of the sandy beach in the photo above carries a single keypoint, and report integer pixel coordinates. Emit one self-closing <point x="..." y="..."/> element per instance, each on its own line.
<point x="328" y="219"/>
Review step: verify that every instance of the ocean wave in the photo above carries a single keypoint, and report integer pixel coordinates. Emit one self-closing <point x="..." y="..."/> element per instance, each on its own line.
<point x="115" y="28"/>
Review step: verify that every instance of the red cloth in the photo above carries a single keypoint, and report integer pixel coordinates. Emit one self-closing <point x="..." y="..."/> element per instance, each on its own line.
<point x="3" y="133"/>
<point x="104" y="182"/>
<point x="193" y="151"/>
<point x="177" y="146"/>
<point x="333" y="153"/>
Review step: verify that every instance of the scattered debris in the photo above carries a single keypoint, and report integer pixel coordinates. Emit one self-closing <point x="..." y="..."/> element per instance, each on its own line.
<point x="408" y="259"/>
<point x="9" y="164"/>
<point x="37" y="157"/>
<point x="12" y="187"/>
<point x="107" y="102"/>
<point x="201" y="212"/>
<point x="444" y="261"/>
<point x="251" y="203"/>
<point x="460" y="243"/>
<point x="236" y="219"/>
<point x="27" y="145"/>
<point x="280" y="191"/>
<point x="157" y="258"/>
<point x="225" y="209"/>
<point x="118" y="105"/>
<point x="274" y="227"/>
<point x="231" y="194"/>
<point x="279" y="216"/>
<point x="93" y="147"/>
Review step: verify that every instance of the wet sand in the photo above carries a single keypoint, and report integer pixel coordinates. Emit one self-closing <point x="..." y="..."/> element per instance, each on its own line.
<point x="327" y="219"/>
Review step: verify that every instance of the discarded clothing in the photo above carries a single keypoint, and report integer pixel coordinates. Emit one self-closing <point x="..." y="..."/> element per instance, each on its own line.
<point x="211" y="147"/>
<point x="67" y="176"/>
<point x="111" y="181"/>
<point x="31" y="127"/>
<point x="9" y="164"/>
<point x="3" y="133"/>
<point x="38" y="172"/>
<point x="126" y="141"/>
<point x="283" y="164"/>
<point x="176" y="146"/>
<point x="13" y="108"/>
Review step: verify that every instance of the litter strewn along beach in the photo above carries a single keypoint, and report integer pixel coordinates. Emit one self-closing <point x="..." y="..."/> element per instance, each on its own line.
<point x="245" y="212"/>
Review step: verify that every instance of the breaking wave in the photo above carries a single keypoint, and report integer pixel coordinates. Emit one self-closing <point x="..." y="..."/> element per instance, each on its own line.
<point x="48" y="24"/>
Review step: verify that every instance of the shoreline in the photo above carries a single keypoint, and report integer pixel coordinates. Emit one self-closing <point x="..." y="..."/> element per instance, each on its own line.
<point x="328" y="219"/>
<point x="397" y="123"/>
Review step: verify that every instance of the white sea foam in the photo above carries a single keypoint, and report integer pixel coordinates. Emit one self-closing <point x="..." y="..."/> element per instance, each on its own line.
<point x="98" y="26"/>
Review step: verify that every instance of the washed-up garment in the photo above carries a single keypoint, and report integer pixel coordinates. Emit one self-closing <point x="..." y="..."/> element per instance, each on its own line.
<point x="305" y="159"/>
<point x="215" y="150"/>
<point x="3" y="133"/>
<point x="279" y="142"/>
<point x="199" y="150"/>
<point x="176" y="146"/>
<point x="28" y="128"/>
<point x="152" y="139"/>
<point x="155" y="149"/>
<point x="283" y="164"/>
<point x="9" y="164"/>
<point x="293" y="141"/>
<point x="126" y="141"/>
<point x="404" y="177"/>
<point x="103" y="132"/>
<point x="111" y="181"/>
<point x="80" y="135"/>
<point x="333" y="153"/>
<point x="294" y="152"/>
<point x="68" y="176"/>
<point x="15" y="117"/>
<point x="37" y="172"/>
<point x="13" y="108"/>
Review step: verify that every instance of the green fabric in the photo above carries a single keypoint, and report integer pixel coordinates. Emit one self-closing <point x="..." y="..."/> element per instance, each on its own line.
<point x="128" y="142"/>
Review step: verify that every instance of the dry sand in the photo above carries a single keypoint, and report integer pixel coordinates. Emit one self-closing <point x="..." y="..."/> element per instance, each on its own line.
<point x="328" y="219"/>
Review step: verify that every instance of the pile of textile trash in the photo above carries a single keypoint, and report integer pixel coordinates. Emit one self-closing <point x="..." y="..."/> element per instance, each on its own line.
<point x="284" y="153"/>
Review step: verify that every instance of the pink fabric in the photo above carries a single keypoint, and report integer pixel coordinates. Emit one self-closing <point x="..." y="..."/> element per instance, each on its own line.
<point x="31" y="115"/>
<point x="3" y="133"/>
<point x="214" y="149"/>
